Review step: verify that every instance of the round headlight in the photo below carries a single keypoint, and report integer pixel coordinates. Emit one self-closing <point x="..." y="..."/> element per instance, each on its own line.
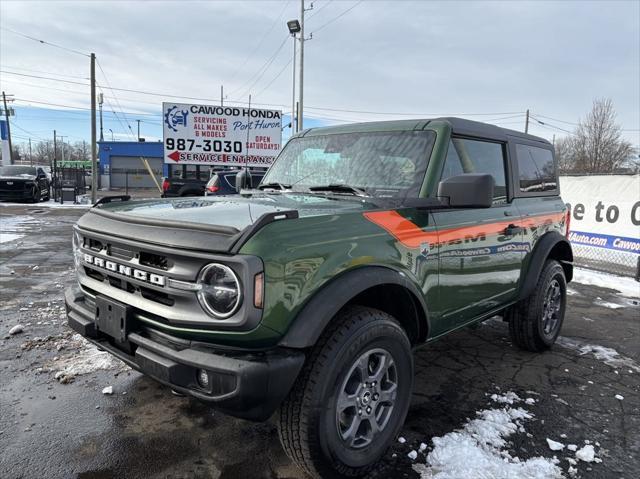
<point x="219" y="293"/>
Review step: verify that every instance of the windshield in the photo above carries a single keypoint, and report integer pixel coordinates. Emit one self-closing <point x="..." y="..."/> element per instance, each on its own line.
<point x="384" y="164"/>
<point x="13" y="170"/>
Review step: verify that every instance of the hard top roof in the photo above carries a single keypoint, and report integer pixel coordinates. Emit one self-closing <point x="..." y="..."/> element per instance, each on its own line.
<point x="459" y="126"/>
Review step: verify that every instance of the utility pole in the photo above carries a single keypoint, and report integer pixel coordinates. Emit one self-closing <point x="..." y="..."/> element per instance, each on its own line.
<point x="301" y="87"/>
<point x="30" y="155"/>
<point x="55" y="156"/>
<point x="6" y="117"/>
<point x="526" y="124"/>
<point x="221" y="95"/>
<point x="138" y="129"/>
<point x="94" y="173"/>
<point x="100" y="102"/>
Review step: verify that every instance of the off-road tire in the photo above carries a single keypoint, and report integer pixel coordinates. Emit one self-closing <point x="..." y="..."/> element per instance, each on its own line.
<point x="526" y="318"/>
<point x="307" y="419"/>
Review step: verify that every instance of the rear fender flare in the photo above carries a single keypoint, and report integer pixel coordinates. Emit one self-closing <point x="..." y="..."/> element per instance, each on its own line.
<point x="318" y="312"/>
<point x="543" y="248"/>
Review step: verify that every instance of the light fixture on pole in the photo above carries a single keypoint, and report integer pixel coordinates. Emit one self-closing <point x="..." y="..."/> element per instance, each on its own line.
<point x="111" y="133"/>
<point x="294" y="27"/>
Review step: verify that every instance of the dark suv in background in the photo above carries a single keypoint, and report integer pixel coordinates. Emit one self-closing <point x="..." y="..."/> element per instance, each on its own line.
<point x="224" y="182"/>
<point x="221" y="182"/>
<point x="29" y="183"/>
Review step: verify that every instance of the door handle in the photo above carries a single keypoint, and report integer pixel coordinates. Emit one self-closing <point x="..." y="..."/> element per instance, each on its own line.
<point x="512" y="230"/>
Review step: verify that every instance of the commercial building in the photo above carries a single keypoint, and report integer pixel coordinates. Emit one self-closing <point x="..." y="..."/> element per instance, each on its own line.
<point x="121" y="164"/>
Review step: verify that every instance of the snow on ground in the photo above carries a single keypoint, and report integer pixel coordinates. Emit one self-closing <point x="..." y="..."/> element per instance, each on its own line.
<point x="609" y="356"/>
<point x="626" y="286"/>
<point x="478" y="449"/>
<point x="15" y="227"/>
<point x="607" y="304"/>
<point x="84" y="358"/>
<point x="49" y="204"/>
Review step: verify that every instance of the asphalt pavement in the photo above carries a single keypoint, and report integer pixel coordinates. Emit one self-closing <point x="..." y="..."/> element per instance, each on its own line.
<point x="65" y="427"/>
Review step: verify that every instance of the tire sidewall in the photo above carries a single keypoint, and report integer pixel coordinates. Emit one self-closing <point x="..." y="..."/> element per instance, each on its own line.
<point x="384" y="334"/>
<point x="553" y="271"/>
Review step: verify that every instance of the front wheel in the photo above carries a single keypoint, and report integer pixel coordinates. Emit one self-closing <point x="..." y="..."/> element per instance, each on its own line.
<point x="535" y="322"/>
<point x="35" y="195"/>
<point x="351" y="398"/>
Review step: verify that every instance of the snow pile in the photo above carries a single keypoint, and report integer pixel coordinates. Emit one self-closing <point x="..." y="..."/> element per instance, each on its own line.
<point x="476" y="450"/>
<point x="84" y="359"/>
<point x="609" y="356"/>
<point x="624" y="285"/>
<point x="508" y="398"/>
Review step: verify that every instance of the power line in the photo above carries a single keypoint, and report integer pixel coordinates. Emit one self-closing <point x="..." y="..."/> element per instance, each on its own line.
<point x="337" y="17"/>
<point x="275" y="78"/>
<point x="44" y="42"/>
<point x="315" y="12"/>
<point x="261" y="71"/>
<point x="77" y="77"/>
<point x="260" y="42"/>
<point x="163" y="95"/>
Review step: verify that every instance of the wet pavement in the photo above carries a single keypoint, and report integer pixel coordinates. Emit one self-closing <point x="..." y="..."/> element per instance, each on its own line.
<point x="53" y="428"/>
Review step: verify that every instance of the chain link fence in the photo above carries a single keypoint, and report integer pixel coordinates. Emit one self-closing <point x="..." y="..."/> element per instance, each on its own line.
<point x="607" y="260"/>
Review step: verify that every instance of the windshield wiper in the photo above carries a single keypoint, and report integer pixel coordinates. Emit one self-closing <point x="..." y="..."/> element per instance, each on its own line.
<point x="340" y="188"/>
<point x="274" y="185"/>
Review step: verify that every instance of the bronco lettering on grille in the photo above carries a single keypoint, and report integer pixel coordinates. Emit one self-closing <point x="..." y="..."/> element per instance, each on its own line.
<point x="124" y="270"/>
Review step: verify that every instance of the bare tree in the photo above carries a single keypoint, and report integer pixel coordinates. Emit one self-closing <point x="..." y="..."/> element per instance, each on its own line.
<point x="598" y="144"/>
<point x="565" y="154"/>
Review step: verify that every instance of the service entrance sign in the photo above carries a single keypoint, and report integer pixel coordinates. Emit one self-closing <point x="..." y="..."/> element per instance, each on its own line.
<point x="216" y="135"/>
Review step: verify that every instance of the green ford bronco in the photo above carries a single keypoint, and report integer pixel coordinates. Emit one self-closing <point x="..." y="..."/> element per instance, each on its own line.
<point x="306" y="296"/>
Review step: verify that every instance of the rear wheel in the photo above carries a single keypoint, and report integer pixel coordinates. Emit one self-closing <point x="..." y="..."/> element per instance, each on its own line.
<point x="535" y="322"/>
<point x="351" y="398"/>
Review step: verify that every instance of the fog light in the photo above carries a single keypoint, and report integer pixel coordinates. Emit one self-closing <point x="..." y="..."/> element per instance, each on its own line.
<point x="203" y="378"/>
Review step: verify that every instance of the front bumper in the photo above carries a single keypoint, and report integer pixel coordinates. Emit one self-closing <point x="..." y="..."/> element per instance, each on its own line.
<point x="242" y="384"/>
<point x="6" y="195"/>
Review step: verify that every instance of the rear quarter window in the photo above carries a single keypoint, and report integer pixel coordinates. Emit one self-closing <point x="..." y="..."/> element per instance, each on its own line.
<point x="536" y="169"/>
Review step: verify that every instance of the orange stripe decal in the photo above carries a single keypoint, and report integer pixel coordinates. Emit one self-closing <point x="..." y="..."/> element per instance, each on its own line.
<point x="411" y="236"/>
<point x="401" y="228"/>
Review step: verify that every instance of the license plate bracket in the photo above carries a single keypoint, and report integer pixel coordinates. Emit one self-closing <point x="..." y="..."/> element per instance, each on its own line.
<point x="112" y="318"/>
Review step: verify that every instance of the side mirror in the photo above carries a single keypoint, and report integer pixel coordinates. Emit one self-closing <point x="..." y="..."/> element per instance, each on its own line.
<point x="243" y="180"/>
<point x="469" y="190"/>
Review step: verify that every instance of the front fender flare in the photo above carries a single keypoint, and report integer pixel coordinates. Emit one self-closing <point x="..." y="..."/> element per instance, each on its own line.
<point x="316" y="314"/>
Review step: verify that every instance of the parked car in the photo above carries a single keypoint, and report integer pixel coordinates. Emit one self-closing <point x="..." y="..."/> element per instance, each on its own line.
<point x="224" y="182"/>
<point x="22" y="183"/>
<point x="307" y="297"/>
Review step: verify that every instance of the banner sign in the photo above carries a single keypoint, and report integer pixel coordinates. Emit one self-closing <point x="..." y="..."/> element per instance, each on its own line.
<point x="605" y="210"/>
<point x="216" y="135"/>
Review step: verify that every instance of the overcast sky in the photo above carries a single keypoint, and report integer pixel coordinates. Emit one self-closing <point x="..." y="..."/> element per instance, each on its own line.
<point x="422" y="57"/>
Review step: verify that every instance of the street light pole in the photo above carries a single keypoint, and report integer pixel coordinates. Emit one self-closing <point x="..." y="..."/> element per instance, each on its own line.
<point x="138" y="129"/>
<point x="293" y="88"/>
<point x="301" y="87"/>
<point x="111" y="133"/>
<point x="294" y="27"/>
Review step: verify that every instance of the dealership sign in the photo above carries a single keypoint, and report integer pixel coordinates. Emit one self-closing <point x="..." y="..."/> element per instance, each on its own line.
<point x="217" y="135"/>
<point x="605" y="211"/>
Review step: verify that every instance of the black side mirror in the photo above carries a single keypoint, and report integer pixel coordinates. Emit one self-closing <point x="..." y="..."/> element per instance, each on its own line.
<point x="243" y="180"/>
<point x="469" y="190"/>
